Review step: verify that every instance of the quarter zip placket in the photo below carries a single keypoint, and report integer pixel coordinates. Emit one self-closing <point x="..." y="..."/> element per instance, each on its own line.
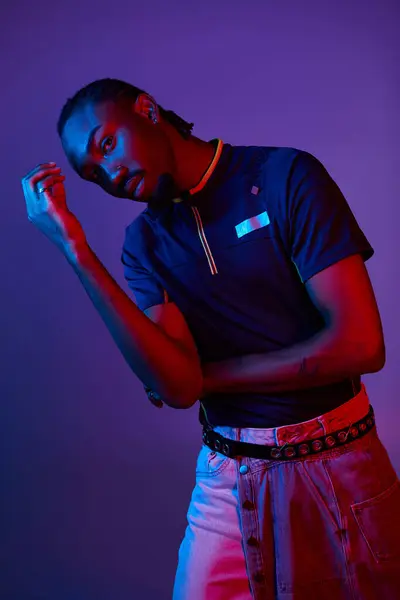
<point x="199" y="223"/>
<point x="204" y="242"/>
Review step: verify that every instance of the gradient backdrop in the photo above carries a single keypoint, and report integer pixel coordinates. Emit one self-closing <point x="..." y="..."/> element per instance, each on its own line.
<point x="95" y="481"/>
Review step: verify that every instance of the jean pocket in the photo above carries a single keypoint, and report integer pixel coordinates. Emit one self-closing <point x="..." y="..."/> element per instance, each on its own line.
<point x="210" y="463"/>
<point x="378" y="519"/>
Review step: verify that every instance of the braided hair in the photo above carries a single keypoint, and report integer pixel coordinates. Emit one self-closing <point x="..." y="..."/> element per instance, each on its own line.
<point x="102" y="90"/>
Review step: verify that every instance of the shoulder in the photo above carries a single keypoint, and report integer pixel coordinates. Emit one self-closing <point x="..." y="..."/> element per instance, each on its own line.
<point x="287" y="161"/>
<point x="279" y="163"/>
<point x="293" y="172"/>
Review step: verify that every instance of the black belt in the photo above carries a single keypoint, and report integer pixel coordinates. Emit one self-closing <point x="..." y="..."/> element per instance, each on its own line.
<point x="232" y="448"/>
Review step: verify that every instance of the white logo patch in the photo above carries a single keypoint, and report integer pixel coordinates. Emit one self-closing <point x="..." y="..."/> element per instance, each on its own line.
<point x="249" y="225"/>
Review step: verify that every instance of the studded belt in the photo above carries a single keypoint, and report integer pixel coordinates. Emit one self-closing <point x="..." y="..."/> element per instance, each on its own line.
<point x="233" y="448"/>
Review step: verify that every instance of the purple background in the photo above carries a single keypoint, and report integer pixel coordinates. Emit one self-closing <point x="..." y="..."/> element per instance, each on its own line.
<point x="95" y="480"/>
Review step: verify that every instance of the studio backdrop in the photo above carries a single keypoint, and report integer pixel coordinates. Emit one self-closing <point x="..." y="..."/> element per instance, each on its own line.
<point x="95" y="481"/>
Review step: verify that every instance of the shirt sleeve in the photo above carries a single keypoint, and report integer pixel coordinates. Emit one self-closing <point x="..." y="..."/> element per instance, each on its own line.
<point x="146" y="289"/>
<point x="323" y="229"/>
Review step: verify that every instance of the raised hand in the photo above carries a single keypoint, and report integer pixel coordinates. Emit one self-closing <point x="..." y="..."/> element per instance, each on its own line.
<point x="46" y="205"/>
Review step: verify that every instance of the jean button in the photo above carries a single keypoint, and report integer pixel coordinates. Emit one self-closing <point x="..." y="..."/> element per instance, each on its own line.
<point x="243" y="469"/>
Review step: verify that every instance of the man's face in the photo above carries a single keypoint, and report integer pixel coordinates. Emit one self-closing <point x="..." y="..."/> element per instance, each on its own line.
<point x="118" y="148"/>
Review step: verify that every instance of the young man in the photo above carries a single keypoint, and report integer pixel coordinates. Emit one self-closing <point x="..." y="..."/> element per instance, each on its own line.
<point x="247" y="266"/>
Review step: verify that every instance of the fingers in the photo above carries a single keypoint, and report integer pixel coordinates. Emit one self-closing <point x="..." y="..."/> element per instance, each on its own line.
<point x="48" y="182"/>
<point x="41" y="175"/>
<point x="49" y="165"/>
<point x="43" y="190"/>
<point x="154" y="398"/>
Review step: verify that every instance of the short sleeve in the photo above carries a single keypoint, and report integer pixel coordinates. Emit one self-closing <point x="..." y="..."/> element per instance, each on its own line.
<point x="323" y="229"/>
<point x="146" y="289"/>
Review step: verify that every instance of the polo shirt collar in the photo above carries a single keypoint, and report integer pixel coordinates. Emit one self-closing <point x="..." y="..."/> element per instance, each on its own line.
<point x="155" y="209"/>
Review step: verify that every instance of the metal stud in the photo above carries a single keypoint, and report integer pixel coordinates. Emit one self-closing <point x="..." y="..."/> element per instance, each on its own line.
<point x="289" y="452"/>
<point x="275" y="453"/>
<point x="330" y="441"/>
<point x="354" y="432"/>
<point x="304" y="449"/>
<point x="317" y="445"/>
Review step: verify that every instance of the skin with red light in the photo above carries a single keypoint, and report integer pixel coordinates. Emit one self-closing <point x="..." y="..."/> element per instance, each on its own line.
<point x="143" y="140"/>
<point x="135" y="138"/>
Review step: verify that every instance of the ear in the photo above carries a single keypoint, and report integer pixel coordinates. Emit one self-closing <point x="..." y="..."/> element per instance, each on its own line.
<point x="146" y="106"/>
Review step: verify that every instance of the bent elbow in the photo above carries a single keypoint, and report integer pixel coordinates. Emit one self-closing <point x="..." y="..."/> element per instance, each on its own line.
<point x="187" y="392"/>
<point x="183" y="402"/>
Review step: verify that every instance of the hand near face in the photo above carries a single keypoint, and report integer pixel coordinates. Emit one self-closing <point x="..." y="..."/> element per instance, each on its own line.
<point x="46" y="205"/>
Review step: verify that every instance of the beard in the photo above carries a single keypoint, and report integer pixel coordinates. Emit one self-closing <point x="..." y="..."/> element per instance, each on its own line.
<point x="166" y="190"/>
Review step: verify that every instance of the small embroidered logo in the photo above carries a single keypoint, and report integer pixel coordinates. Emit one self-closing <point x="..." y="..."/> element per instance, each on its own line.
<point x="255" y="190"/>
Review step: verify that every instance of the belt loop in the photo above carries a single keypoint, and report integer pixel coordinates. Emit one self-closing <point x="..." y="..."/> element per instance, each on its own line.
<point x="275" y="433"/>
<point x="207" y="422"/>
<point x="321" y="422"/>
<point x="238" y="434"/>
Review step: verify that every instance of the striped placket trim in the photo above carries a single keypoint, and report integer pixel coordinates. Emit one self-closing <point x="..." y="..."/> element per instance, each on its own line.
<point x="203" y="239"/>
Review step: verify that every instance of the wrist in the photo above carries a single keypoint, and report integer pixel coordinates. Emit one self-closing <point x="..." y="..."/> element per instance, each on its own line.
<point x="77" y="253"/>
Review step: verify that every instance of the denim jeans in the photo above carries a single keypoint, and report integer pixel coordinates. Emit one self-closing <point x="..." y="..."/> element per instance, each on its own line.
<point x="319" y="527"/>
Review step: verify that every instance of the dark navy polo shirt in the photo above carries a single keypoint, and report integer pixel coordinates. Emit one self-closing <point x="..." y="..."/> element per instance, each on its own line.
<point x="234" y="257"/>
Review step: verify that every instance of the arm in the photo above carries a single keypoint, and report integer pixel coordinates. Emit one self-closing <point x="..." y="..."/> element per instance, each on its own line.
<point x="160" y="360"/>
<point x="350" y="344"/>
<point x="328" y="248"/>
<point x="168" y="317"/>
<point x="161" y="356"/>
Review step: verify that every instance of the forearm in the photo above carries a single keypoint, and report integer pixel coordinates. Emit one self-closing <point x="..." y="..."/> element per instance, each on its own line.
<point x="316" y="362"/>
<point x="157" y="360"/>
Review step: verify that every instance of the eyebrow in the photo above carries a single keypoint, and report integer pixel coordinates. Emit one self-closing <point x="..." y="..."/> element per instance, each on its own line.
<point x="87" y="149"/>
<point x="91" y="138"/>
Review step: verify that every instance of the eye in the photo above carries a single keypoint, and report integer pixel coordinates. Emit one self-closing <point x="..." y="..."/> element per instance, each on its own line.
<point x="107" y="144"/>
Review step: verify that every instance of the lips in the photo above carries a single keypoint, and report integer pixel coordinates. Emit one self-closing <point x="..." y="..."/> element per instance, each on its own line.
<point x="133" y="182"/>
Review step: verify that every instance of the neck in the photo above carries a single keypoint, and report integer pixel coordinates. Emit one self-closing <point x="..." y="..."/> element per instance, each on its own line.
<point x="192" y="159"/>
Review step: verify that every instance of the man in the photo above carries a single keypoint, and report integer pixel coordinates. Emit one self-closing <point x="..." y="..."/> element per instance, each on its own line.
<point x="247" y="266"/>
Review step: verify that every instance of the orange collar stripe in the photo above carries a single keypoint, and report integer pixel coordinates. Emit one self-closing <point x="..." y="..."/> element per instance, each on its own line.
<point x="209" y="171"/>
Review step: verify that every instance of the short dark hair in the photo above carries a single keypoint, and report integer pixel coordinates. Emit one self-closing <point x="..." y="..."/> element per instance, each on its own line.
<point x="102" y="90"/>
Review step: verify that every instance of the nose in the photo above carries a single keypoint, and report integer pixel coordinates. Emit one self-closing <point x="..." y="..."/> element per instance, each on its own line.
<point x="117" y="175"/>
